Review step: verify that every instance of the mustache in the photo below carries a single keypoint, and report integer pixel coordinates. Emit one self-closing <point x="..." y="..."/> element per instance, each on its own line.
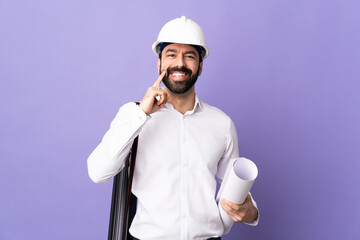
<point x="178" y="69"/>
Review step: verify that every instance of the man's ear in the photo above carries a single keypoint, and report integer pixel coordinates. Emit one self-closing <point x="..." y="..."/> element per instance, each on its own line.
<point x="200" y="68"/>
<point x="159" y="65"/>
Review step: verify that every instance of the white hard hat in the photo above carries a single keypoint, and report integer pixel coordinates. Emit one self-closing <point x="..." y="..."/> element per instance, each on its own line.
<point x="181" y="30"/>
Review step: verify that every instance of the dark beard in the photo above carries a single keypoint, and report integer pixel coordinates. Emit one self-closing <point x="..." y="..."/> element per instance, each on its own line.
<point x="183" y="86"/>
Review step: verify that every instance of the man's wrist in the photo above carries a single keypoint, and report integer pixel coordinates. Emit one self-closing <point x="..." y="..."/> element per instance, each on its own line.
<point x="254" y="214"/>
<point x="255" y="218"/>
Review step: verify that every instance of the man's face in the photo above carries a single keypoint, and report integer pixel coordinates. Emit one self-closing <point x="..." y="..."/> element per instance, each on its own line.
<point x="182" y="66"/>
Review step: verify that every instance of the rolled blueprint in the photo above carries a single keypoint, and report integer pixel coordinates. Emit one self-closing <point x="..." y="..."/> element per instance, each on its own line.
<point x="236" y="186"/>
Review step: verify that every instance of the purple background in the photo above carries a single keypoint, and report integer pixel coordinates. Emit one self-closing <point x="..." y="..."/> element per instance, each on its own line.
<point x="287" y="72"/>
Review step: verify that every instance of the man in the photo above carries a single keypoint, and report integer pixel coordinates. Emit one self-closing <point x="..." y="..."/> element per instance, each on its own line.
<point x="183" y="145"/>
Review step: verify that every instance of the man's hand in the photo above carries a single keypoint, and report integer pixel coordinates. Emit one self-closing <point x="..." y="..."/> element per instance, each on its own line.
<point x="150" y="104"/>
<point x="245" y="212"/>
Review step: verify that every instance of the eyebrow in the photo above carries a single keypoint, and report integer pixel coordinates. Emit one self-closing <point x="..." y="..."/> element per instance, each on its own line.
<point x="170" y="50"/>
<point x="191" y="52"/>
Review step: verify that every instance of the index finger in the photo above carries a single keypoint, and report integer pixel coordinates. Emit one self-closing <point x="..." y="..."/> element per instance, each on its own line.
<point x="158" y="81"/>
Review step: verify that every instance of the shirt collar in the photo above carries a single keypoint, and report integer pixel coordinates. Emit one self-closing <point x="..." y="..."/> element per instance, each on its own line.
<point x="198" y="106"/>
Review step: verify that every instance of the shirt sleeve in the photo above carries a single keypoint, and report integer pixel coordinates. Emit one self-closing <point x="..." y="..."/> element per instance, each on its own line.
<point x="232" y="152"/>
<point x="109" y="156"/>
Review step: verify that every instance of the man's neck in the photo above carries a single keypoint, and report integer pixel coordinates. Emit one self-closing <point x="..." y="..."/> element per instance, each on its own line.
<point x="182" y="102"/>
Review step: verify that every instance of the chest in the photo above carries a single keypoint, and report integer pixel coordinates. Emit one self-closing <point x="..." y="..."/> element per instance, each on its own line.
<point x="168" y="141"/>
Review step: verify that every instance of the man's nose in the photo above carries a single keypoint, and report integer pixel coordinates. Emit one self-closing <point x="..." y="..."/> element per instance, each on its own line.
<point x="180" y="61"/>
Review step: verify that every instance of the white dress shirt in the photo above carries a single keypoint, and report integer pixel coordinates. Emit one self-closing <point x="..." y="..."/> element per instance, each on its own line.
<point x="177" y="160"/>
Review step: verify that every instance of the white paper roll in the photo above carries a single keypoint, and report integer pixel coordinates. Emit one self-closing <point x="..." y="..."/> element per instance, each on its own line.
<point x="236" y="187"/>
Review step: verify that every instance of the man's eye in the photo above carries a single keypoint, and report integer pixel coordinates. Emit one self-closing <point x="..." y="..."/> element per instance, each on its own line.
<point x="170" y="55"/>
<point x="190" y="56"/>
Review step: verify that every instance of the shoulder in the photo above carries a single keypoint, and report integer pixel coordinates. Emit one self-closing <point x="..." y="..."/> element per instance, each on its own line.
<point x="130" y="112"/>
<point x="214" y="111"/>
<point x="128" y="106"/>
<point x="216" y="116"/>
<point x="219" y="123"/>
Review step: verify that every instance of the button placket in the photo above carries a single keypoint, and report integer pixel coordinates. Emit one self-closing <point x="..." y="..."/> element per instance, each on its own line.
<point x="184" y="180"/>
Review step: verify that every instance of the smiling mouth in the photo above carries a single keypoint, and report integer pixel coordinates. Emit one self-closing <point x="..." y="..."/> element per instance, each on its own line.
<point x="179" y="76"/>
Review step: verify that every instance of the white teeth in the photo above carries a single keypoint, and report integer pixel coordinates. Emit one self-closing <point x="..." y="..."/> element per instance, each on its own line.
<point x="179" y="74"/>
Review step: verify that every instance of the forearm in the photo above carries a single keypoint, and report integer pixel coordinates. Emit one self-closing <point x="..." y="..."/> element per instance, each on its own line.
<point x="108" y="157"/>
